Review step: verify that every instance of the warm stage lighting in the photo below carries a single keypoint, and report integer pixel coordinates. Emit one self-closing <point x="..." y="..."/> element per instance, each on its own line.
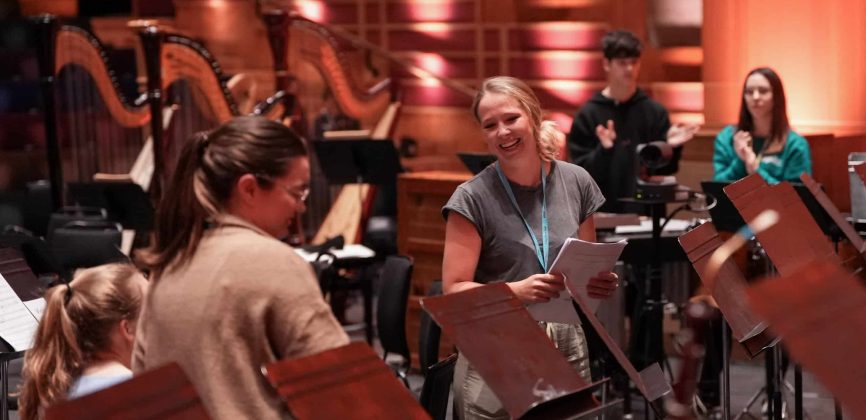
<point x="311" y="9"/>
<point x="434" y="63"/>
<point x="431" y="11"/>
<point x="435" y="30"/>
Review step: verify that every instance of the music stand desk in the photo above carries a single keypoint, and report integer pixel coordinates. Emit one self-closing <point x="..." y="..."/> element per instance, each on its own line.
<point x="126" y="202"/>
<point x="358" y="161"/>
<point x="346" y="382"/>
<point x="162" y="393"/>
<point x="725" y="216"/>
<point x="476" y="162"/>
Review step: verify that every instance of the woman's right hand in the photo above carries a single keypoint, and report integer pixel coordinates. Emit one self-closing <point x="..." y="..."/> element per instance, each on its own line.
<point x="743" y="145"/>
<point x="538" y="288"/>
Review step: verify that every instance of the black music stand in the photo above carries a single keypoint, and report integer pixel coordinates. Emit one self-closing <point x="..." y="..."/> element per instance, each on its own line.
<point x="476" y="162"/>
<point x="725" y="216"/>
<point x="126" y="202"/>
<point x="358" y="161"/>
<point x="646" y="344"/>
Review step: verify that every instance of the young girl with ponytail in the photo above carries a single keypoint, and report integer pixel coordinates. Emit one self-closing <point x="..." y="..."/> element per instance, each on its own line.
<point x="85" y="337"/>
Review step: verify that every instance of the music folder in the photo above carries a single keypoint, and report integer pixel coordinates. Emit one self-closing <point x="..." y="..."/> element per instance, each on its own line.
<point x="517" y="360"/>
<point x="348" y="382"/>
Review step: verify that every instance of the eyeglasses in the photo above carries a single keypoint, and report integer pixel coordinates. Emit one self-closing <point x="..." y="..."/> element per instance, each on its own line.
<point x="297" y="195"/>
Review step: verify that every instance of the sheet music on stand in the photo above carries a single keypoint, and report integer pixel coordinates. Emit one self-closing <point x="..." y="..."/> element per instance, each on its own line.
<point x="21" y="301"/>
<point x="820" y="313"/>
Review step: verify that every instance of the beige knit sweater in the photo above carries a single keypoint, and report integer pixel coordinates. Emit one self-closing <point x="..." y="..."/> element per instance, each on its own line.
<point x="244" y="300"/>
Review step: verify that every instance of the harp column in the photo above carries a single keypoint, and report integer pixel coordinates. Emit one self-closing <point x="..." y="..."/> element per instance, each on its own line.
<point x="151" y="41"/>
<point x="48" y="25"/>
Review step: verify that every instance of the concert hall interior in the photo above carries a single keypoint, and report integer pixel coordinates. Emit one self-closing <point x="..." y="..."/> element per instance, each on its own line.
<point x="712" y="152"/>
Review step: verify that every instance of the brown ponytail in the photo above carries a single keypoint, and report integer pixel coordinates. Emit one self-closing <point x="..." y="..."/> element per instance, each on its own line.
<point x="208" y="168"/>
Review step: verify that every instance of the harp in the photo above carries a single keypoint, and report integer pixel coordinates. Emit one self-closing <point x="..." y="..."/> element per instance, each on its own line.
<point x="195" y="90"/>
<point x="91" y="127"/>
<point x="95" y="132"/>
<point x="297" y="42"/>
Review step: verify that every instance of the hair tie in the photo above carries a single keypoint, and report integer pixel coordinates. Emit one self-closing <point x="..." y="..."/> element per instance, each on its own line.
<point x="68" y="294"/>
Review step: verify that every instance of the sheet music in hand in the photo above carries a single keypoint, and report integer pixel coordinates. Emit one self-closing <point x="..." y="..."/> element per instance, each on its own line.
<point x="18" y="319"/>
<point x="578" y="261"/>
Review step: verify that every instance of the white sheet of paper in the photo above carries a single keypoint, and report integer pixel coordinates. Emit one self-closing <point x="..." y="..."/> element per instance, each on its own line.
<point x="646" y="226"/>
<point x="348" y="251"/>
<point x="578" y="261"/>
<point x="17" y="324"/>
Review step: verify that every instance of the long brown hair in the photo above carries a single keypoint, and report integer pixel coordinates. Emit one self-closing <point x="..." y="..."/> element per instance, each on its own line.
<point x="779" y="125"/>
<point x="76" y="325"/>
<point x="545" y="132"/>
<point x="207" y="169"/>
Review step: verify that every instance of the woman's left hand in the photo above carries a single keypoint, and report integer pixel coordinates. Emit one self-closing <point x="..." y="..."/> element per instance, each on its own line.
<point x="603" y="285"/>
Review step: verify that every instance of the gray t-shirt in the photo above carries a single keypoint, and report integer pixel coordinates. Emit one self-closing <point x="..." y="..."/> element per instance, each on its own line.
<point x="507" y="252"/>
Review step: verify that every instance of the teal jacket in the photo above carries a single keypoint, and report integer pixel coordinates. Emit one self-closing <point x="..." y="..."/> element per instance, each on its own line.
<point x="774" y="168"/>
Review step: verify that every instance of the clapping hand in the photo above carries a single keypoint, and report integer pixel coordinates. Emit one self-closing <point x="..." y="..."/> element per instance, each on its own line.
<point x="680" y="133"/>
<point x="743" y="149"/>
<point x="606" y="134"/>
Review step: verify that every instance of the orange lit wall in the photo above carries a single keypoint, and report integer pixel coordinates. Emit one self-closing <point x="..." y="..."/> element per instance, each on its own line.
<point x="817" y="46"/>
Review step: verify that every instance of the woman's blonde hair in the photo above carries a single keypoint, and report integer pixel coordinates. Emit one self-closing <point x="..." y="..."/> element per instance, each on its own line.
<point x="76" y="325"/>
<point x="545" y="132"/>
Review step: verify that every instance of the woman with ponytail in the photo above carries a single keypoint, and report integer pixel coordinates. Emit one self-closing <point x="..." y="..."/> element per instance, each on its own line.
<point x="492" y="221"/>
<point x="228" y="296"/>
<point x="84" y="339"/>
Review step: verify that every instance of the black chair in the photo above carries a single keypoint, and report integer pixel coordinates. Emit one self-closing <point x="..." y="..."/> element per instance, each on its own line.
<point x="437" y="388"/>
<point x="391" y="310"/>
<point x="429" y="334"/>
<point x="65" y="215"/>
<point x="35" y="250"/>
<point x="82" y="244"/>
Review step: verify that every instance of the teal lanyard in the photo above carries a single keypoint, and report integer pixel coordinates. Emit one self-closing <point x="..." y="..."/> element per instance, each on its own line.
<point x="540" y="251"/>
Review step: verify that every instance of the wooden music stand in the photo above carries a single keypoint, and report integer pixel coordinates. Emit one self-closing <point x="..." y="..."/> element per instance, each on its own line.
<point x="824" y="200"/>
<point x="502" y="341"/>
<point x="820" y="311"/>
<point x="728" y="288"/>
<point x="346" y="382"/>
<point x="796" y="239"/>
<point x="162" y="393"/>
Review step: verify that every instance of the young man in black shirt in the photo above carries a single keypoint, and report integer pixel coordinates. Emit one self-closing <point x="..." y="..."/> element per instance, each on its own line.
<point x="608" y="128"/>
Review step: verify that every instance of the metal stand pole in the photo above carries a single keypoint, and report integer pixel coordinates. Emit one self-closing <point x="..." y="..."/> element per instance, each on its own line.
<point x="726" y="370"/>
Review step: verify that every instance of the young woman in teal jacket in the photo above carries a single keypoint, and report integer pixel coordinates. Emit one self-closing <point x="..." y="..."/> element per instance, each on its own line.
<point x="762" y="141"/>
